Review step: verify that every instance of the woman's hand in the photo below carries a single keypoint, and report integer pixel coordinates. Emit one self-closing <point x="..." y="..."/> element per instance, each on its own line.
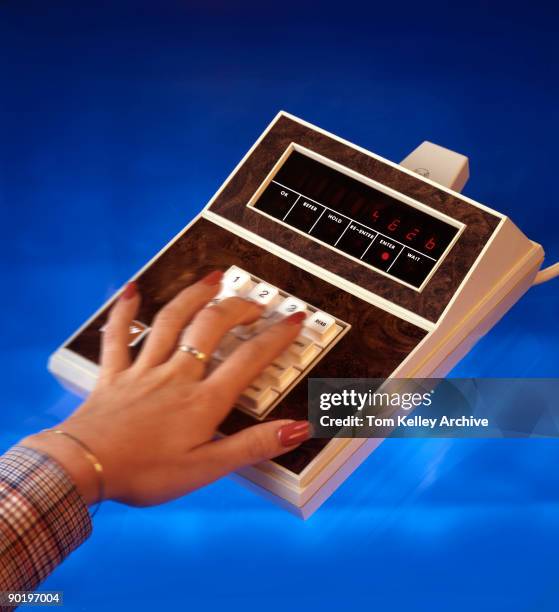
<point x="152" y="423"/>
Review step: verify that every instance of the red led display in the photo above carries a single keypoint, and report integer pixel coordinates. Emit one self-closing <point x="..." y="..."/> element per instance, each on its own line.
<point x="356" y="219"/>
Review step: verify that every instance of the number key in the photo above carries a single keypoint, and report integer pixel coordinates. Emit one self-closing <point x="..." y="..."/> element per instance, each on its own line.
<point x="237" y="280"/>
<point x="266" y="295"/>
<point x="291" y="305"/>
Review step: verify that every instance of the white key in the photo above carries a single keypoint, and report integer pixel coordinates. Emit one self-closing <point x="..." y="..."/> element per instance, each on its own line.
<point x="283" y="360"/>
<point x="245" y="332"/>
<point x="229" y="344"/>
<point x="227" y="292"/>
<point x="224" y="293"/>
<point x="281" y="375"/>
<point x="238" y="281"/>
<point x="258" y="397"/>
<point x="320" y="326"/>
<point x="266" y="295"/>
<point x="303" y="351"/>
<point x="291" y="305"/>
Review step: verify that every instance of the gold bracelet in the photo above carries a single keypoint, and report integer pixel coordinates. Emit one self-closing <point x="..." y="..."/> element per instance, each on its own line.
<point x="92" y="458"/>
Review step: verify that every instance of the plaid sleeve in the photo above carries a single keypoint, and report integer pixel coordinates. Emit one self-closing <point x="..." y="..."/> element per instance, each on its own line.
<point x="42" y="518"/>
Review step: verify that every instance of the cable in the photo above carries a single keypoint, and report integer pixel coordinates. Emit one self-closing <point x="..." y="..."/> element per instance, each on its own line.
<point x="546" y="274"/>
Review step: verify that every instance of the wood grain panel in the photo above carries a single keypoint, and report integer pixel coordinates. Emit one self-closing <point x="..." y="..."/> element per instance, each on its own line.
<point x="377" y="343"/>
<point x="431" y="302"/>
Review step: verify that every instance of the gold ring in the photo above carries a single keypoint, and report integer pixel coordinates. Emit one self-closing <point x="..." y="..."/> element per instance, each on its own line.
<point x="191" y="350"/>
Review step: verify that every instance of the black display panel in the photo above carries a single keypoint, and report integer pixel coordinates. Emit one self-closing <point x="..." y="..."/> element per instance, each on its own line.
<point x="356" y="219"/>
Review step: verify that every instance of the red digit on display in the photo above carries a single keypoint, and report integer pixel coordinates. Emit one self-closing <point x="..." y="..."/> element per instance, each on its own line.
<point x="430" y="244"/>
<point x="394" y="225"/>
<point x="374" y="215"/>
<point x="411" y="235"/>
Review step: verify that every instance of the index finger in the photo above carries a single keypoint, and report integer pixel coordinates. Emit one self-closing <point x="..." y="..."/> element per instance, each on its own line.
<point x="236" y="373"/>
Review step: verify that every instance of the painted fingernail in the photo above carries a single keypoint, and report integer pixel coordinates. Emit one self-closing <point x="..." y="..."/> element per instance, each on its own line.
<point x="213" y="278"/>
<point x="296" y="318"/>
<point x="294" y="433"/>
<point x="129" y="291"/>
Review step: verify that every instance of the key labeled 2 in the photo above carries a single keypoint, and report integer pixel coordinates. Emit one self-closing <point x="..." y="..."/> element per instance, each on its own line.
<point x="264" y="294"/>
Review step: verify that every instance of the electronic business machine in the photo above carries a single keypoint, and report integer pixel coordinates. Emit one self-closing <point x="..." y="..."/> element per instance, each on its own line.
<point x="398" y="273"/>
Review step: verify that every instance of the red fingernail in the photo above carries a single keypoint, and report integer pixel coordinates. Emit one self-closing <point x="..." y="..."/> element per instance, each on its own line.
<point x="129" y="291"/>
<point x="294" y="433"/>
<point x="213" y="278"/>
<point x="296" y="318"/>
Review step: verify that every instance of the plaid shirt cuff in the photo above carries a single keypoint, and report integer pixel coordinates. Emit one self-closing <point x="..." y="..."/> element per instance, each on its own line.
<point x="42" y="518"/>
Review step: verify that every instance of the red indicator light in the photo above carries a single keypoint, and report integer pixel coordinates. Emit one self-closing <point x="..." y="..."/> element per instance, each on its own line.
<point x="385" y="256"/>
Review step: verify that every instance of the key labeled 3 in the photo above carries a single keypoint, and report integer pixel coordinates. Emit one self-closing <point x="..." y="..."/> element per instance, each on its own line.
<point x="291" y="305"/>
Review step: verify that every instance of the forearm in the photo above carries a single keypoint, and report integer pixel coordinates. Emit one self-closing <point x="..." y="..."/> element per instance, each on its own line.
<point x="43" y="518"/>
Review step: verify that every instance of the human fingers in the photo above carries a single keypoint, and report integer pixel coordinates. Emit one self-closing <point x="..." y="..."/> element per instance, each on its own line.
<point x="115" y="353"/>
<point x="236" y="373"/>
<point x="173" y="317"/>
<point x="205" y="333"/>
<point x="252" y="445"/>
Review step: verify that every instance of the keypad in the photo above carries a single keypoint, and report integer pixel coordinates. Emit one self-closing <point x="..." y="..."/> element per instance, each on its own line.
<point x="319" y="332"/>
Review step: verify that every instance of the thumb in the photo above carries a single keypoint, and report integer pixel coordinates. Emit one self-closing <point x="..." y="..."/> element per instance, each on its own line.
<point x="249" y="446"/>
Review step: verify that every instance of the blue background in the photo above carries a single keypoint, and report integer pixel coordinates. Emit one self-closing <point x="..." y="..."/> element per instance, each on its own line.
<point x="119" y="120"/>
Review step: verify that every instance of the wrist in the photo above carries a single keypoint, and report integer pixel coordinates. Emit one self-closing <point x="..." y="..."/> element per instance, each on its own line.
<point x="71" y="458"/>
